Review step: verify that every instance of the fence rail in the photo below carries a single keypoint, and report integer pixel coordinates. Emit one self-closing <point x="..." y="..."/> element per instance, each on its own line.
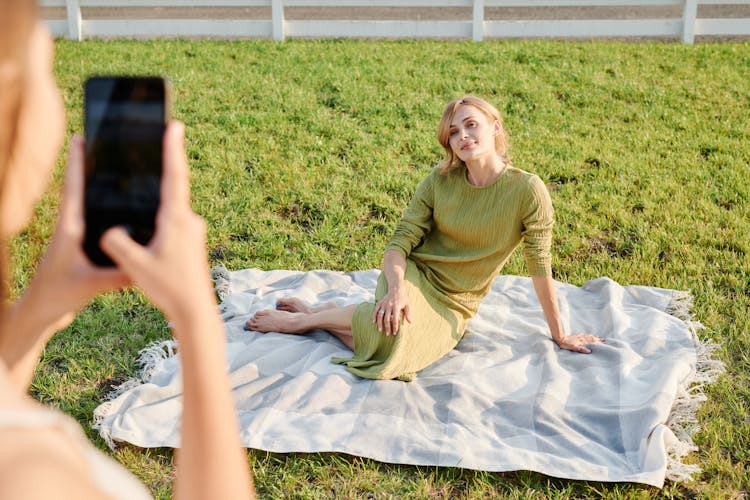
<point x="477" y="28"/>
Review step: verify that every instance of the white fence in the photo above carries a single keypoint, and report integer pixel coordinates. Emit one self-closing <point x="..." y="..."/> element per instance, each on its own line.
<point x="477" y="28"/>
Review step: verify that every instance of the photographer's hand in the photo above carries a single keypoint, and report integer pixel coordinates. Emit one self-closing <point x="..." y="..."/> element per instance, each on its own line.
<point x="173" y="271"/>
<point x="64" y="282"/>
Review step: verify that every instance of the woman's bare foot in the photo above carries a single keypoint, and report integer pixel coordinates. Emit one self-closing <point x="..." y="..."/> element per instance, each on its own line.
<point x="270" y="320"/>
<point x="295" y="305"/>
<point x="336" y="320"/>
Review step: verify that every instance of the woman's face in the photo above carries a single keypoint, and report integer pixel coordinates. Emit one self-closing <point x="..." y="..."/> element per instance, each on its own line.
<point x="472" y="134"/>
<point x="41" y="125"/>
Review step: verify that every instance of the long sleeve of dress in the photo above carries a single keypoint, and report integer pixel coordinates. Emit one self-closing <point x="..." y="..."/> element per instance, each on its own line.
<point x="416" y="221"/>
<point x="537" y="221"/>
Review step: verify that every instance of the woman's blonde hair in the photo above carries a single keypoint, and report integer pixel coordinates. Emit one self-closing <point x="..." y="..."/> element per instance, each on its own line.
<point x="452" y="161"/>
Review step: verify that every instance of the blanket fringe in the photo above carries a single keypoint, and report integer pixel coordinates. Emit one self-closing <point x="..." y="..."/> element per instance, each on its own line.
<point x="683" y="420"/>
<point x="220" y="275"/>
<point x="148" y="360"/>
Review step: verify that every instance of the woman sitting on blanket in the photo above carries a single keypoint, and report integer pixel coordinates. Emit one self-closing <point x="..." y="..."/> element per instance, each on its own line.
<point x="458" y="231"/>
<point x="43" y="453"/>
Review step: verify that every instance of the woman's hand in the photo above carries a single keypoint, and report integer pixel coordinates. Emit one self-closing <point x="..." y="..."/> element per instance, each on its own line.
<point x="173" y="269"/>
<point x="66" y="280"/>
<point x="387" y="313"/>
<point x="545" y="290"/>
<point x="388" y="310"/>
<point x="578" y="342"/>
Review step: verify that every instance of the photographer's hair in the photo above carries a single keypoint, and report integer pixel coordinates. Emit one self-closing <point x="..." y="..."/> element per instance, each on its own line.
<point x="502" y="142"/>
<point x="16" y="25"/>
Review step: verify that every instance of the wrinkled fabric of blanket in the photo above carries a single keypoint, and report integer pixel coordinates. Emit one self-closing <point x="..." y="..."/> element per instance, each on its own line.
<point x="507" y="398"/>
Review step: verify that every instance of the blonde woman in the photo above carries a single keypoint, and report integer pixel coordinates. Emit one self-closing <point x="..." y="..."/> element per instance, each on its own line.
<point x="43" y="453"/>
<point x="463" y="223"/>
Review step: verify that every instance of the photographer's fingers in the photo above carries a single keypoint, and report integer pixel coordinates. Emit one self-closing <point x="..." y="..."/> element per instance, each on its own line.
<point x="175" y="186"/>
<point x="71" y="225"/>
<point x="132" y="258"/>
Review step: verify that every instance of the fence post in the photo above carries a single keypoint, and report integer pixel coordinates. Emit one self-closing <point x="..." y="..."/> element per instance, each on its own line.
<point x="74" y="19"/>
<point x="277" y="18"/>
<point x="477" y="29"/>
<point x="689" y="14"/>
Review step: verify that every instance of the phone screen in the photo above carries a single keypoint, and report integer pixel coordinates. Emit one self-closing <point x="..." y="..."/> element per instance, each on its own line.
<point x="124" y="122"/>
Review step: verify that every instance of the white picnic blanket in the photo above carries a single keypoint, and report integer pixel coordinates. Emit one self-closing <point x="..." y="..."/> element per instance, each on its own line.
<point x="505" y="399"/>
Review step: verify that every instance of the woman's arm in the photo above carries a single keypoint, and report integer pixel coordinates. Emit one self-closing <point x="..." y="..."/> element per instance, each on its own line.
<point x="395" y="301"/>
<point x="210" y="462"/>
<point x="537" y="222"/>
<point x="173" y="272"/>
<point x="23" y="336"/>
<point x="545" y="290"/>
<point x="394" y="267"/>
<point x="415" y="225"/>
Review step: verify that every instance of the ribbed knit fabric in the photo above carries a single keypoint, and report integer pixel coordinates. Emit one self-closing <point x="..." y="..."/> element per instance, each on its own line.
<point x="456" y="238"/>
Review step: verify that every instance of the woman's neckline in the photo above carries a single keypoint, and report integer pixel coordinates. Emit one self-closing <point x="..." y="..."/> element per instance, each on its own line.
<point x="506" y="166"/>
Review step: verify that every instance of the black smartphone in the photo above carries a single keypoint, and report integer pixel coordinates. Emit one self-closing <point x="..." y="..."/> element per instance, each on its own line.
<point x="124" y="122"/>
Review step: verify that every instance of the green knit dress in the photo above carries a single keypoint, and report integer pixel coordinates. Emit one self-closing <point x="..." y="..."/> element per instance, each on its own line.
<point x="456" y="237"/>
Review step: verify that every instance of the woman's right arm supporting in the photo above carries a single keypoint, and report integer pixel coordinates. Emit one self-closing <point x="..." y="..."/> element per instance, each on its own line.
<point x="173" y="272"/>
<point x="395" y="301"/>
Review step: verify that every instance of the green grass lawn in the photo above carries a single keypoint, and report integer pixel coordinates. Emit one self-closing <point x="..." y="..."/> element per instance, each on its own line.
<point x="304" y="154"/>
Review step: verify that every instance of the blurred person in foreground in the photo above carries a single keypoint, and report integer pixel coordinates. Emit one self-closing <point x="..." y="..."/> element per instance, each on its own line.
<point x="44" y="453"/>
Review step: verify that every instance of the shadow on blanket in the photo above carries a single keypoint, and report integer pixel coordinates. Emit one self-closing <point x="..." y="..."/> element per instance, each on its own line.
<point x="505" y="399"/>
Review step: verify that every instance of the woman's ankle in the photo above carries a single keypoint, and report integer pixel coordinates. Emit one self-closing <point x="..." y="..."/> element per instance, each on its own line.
<point x="324" y="306"/>
<point x="296" y="322"/>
